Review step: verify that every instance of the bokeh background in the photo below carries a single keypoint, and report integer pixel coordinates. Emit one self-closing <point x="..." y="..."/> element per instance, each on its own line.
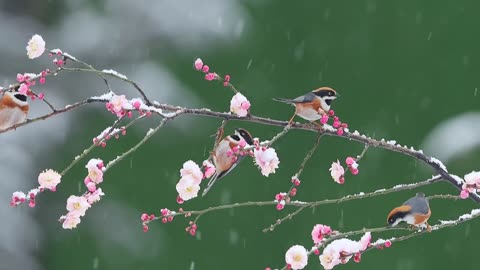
<point x="406" y="70"/>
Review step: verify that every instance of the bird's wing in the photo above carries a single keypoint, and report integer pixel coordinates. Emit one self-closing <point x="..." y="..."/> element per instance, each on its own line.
<point x="418" y="205"/>
<point x="309" y="97"/>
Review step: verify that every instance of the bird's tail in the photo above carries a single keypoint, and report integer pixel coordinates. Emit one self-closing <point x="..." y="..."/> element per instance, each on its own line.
<point x="284" y="100"/>
<point x="210" y="183"/>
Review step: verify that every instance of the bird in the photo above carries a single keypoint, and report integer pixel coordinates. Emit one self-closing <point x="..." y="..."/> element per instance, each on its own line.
<point x="13" y="109"/>
<point x="223" y="162"/>
<point x="312" y="105"/>
<point x="415" y="211"/>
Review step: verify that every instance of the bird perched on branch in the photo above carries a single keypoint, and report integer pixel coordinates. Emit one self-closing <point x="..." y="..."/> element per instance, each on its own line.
<point x="415" y="211"/>
<point x="222" y="155"/>
<point x="312" y="105"/>
<point x="13" y="109"/>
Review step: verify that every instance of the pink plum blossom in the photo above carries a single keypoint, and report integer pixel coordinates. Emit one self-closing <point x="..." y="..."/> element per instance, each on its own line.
<point x="239" y="105"/>
<point x="77" y="205"/>
<point x="266" y="159"/>
<point x="94" y="172"/>
<point x="337" y="172"/>
<point x="49" y="179"/>
<point x="209" y="168"/>
<point x="319" y="231"/>
<point x="23" y="89"/>
<point x="296" y="257"/>
<point x="35" y="47"/>
<point x="117" y="104"/>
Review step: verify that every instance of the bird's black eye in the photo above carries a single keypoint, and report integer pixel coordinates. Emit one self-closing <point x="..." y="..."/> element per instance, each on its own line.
<point x="330" y="93"/>
<point x="390" y="221"/>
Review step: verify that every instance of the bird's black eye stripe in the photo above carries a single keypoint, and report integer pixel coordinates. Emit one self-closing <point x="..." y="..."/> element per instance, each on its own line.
<point x="323" y="93"/>
<point x="20" y="97"/>
<point x="235" y="137"/>
<point x="328" y="101"/>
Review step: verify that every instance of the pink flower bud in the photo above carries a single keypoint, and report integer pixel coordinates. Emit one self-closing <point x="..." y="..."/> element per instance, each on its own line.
<point x="280" y="206"/>
<point x="340" y="131"/>
<point x="336" y="124"/>
<point x="349" y="161"/>
<point x="227" y="78"/>
<point x="324" y="119"/>
<point x="91" y="187"/>
<point x="388" y="243"/>
<point x="354" y="171"/>
<point x="164" y="220"/>
<point x="41" y="96"/>
<point x="293" y="192"/>
<point x="357" y="257"/>
<point x="145" y="228"/>
<point x="179" y="200"/>
<point x="42" y="80"/>
<point x="316" y="252"/>
<point x="193" y="232"/>
<point x="210" y="76"/>
<point x="144" y="217"/>
<point x="464" y="194"/>
<point x="331" y="112"/>
<point x="198" y="64"/>
<point x="205" y="68"/>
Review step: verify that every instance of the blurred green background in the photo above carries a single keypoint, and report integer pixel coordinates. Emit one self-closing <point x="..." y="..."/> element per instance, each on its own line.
<point x="406" y="70"/>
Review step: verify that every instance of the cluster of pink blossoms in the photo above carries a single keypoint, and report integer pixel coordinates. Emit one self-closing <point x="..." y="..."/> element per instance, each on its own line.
<point x="338" y="172"/>
<point x="336" y="122"/>
<point x="47" y="180"/>
<point x="165" y="214"/>
<point x="471" y="185"/>
<point x="239" y="104"/>
<point x="78" y="205"/>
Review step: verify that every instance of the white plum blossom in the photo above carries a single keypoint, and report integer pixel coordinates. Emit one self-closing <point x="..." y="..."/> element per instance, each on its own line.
<point x="95" y="196"/>
<point x="266" y="159"/>
<point x="49" y="179"/>
<point x="337" y="172"/>
<point x="190" y="168"/>
<point x="35" y="47"/>
<point x="95" y="173"/>
<point x="239" y="105"/>
<point x="77" y="205"/>
<point x="296" y="257"/>
<point x="187" y="188"/>
<point x="70" y="222"/>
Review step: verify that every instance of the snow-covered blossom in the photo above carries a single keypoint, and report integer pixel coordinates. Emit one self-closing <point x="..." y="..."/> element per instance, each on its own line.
<point x="209" y="169"/>
<point x="35" y="46"/>
<point x="49" y="179"/>
<point x="18" y="197"/>
<point x="337" y="172"/>
<point x="77" y="205"/>
<point x="190" y="168"/>
<point x="471" y="184"/>
<point x="187" y="188"/>
<point x="266" y="159"/>
<point x="239" y="105"/>
<point x="95" y="172"/>
<point x="71" y="221"/>
<point x="342" y="250"/>
<point x="95" y="196"/>
<point x="198" y="64"/>
<point x="319" y="231"/>
<point x="296" y="257"/>
<point x="116" y="105"/>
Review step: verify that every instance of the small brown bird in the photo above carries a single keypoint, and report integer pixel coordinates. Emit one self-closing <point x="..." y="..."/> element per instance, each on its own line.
<point x="13" y="109"/>
<point x="225" y="163"/>
<point x="415" y="211"/>
<point x="312" y="105"/>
